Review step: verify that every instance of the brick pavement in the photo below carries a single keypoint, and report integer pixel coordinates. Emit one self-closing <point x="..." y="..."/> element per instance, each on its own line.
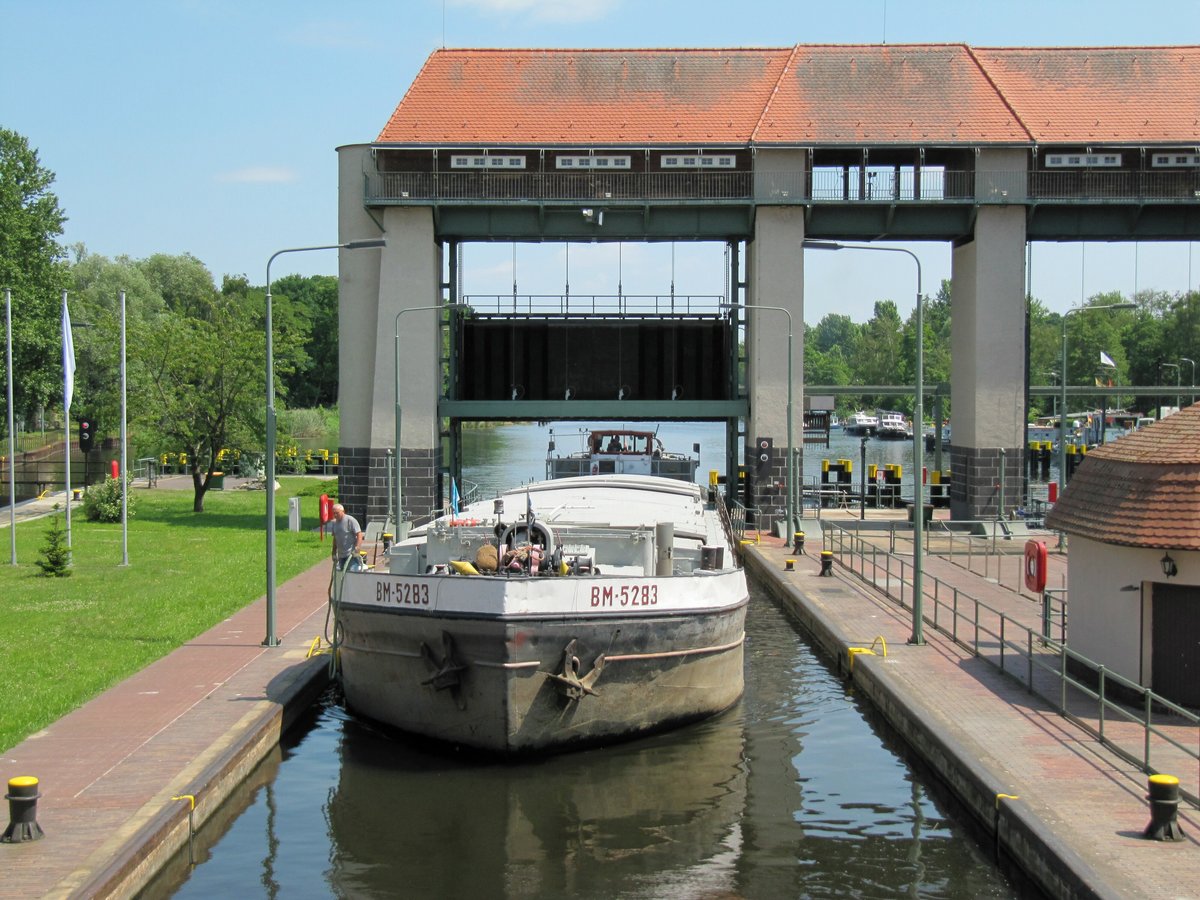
<point x="1077" y="824"/>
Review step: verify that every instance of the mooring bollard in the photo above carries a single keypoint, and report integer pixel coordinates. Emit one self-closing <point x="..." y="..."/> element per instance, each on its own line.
<point x="22" y="800"/>
<point x="826" y="563"/>
<point x="788" y="565"/>
<point x="1164" y="809"/>
<point x="387" y="541"/>
<point x="798" y="543"/>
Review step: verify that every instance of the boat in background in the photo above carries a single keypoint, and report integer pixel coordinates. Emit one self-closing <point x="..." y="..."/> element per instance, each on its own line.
<point x="860" y="424"/>
<point x="617" y="451"/>
<point x="608" y="607"/>
<point x="892" y="426"/>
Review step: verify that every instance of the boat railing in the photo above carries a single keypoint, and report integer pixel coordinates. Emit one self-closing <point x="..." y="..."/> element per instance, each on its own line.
<point x="1144" y="728"/>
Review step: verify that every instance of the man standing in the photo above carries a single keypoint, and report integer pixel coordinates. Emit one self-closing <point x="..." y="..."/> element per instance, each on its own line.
<point x="347" y="540"/>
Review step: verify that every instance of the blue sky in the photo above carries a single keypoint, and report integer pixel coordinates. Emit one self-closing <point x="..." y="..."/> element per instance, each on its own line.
<point x="210" y="126"/>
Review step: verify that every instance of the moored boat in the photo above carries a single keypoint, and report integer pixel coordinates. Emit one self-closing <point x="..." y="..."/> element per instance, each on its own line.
<point x="609" y="606"/>
<point x="618" y="451"/>
<point x="892" y="426"/>
<point x="860" y="424"/>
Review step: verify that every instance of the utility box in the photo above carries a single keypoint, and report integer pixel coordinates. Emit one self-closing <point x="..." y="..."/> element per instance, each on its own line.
<point x="294" y="514"/>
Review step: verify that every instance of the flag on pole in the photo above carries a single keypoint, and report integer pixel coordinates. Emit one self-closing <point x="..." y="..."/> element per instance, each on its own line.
<point x="1106" y="360"/>
<point x="454" y="499"/>
<point x="68" y="357"/>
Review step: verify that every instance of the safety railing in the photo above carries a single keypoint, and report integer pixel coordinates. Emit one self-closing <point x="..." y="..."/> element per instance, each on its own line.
<point x="592" y="305"/>
<point x="823" y="184"/>
<point x="1146" y="732"/>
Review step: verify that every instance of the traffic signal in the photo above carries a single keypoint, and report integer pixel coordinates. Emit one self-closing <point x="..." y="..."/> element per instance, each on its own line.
<point x="87" y="434"/>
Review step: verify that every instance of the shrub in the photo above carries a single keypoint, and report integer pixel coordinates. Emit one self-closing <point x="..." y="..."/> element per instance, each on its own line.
<point x="55" y="558"/>
<point x="102" y="502"/>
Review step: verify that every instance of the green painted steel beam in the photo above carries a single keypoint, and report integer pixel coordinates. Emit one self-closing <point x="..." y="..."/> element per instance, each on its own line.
<point x="525" y="221"/>
<point x="619" y="410"/>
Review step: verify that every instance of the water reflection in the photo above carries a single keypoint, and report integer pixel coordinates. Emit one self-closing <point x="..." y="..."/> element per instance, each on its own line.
<point x="794" y="792"/>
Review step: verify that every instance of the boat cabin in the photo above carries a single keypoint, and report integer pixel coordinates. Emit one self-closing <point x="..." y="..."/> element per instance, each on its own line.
<point x="620" y="451"/>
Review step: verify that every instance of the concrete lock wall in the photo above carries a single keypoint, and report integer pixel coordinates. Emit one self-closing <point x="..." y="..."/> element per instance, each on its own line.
<point x="775" y="277"/>
<point x="987" y="380"/>
<point x="373" y="287"/>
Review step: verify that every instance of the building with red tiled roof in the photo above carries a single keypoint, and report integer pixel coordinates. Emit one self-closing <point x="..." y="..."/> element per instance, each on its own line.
<point x="1132" y="514"/>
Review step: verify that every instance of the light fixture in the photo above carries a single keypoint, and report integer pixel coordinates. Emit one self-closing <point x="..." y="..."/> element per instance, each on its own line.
<point x="1168" y="566"/>
<point x="593" y="216"/>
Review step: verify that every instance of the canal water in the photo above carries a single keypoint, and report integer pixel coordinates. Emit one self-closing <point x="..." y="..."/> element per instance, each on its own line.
<point x="798" y="791"/>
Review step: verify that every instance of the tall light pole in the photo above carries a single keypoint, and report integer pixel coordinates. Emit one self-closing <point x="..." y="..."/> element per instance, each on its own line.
<point x="398" y="470"/>
<point x="918" y="627"/>
<point x="1062" y="406"/>
<point x="790" y="469"/>
<point x="271" y="640"/>
<point x="12" y="445"/>
<point x="1184" y="359"/>
<point x="1176" y="367"/>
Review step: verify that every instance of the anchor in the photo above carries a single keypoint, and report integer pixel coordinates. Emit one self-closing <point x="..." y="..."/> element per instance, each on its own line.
<point x="568" y="682"/>
<point x="445" y="670"/>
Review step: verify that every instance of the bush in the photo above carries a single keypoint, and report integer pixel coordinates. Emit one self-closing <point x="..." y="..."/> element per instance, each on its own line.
<point x="55" y="558"/>
<point x="102" y="502"/>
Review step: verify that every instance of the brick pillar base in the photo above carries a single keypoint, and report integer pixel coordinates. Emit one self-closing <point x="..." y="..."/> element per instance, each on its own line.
<point x="975" y="481"/>
<point x="767" y="493"/>
<point x="364" y="478"/>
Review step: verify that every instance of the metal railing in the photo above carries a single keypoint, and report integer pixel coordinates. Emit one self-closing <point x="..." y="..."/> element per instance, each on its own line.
<point x="1153" y="728"/>
<point x="823" y="184"/>
<point x="591" y="305"/>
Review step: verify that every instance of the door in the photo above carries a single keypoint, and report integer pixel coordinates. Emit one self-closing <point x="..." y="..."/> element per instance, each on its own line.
<point x="1175" y="643"/>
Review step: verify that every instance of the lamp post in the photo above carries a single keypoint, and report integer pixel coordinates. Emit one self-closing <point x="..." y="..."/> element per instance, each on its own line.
<point x="791" y="478"/>
<point x="1062" y="406"/>
<point x="271" y="640"/>
<point x="1177" y="369"/>
<point x="918" y="628"/>
<point x="1184" y="359"/>
<point x="398" y="495"/>
<point x="12" y="447"/>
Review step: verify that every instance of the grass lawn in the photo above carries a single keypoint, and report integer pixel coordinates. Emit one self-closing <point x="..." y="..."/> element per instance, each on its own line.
<point x="65" y="640"/>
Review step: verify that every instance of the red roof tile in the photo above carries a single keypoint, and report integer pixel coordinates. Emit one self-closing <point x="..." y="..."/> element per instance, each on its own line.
<point x="803" y="95"/>
<point x="1142" y="490"/>
<point x="1085" y="95"/>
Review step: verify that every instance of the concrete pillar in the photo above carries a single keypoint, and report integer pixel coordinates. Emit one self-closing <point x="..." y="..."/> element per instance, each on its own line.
<point x="372" y="288"/>
<point x="775" y="277"/>
<point x="987" y="382"/>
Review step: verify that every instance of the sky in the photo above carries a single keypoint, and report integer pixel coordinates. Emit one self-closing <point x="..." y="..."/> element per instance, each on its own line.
<point x="210" y="126"/>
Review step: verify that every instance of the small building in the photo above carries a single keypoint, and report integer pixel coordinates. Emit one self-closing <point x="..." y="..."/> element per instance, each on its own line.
<point x="1132" y="512"/>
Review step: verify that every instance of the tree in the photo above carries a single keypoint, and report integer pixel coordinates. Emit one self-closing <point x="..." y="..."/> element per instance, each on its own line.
<point x="315" y="381"/>
<point x="880" y="349"/>
<point x="32" y="265"/>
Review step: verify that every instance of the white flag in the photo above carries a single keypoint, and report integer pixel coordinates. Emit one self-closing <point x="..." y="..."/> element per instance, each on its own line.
<point x="1106" y="360"/>
<point x="68" y="357"/>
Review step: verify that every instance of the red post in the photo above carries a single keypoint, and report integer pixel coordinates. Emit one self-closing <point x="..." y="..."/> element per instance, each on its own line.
<point x="116" y="468"/>
<point x="1052" y="491"/>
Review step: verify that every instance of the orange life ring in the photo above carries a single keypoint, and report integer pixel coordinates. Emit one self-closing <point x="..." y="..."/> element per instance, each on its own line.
<point x="1035" y="566"/>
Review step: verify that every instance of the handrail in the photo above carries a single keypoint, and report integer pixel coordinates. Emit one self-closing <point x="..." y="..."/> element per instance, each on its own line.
<point x="589" y="305"/>
<point x="992" y="643"/>
<point x="821" y="184"/>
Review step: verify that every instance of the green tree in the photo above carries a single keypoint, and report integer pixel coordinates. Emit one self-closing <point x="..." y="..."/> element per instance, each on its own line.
<point x="33" y="266"/>
<point x="315" y="299"/>
<point x="880" y="350"/>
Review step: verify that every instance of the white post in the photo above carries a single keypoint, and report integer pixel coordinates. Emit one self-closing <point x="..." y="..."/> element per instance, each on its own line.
<point x="124" y="450"/>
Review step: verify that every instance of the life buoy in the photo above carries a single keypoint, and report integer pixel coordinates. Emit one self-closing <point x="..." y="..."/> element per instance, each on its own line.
<point x="1035" y="566"/>
<point x="325" y="509"/>
<point x="534" y="533"/>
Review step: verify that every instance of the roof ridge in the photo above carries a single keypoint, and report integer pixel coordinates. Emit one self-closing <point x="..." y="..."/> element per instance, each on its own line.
<point x="999" y="93"/>
<point x="775" y="90"/>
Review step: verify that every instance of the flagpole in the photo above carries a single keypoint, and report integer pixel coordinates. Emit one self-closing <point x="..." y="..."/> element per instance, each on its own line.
<point x="12" y="446"/>
<point x="68" y="390"/>
<point x="124" y="451"/>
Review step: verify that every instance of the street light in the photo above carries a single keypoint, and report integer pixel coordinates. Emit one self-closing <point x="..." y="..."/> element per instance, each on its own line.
<point x="1184" y="359"/>
<point x="271" y="640"/>
<point x="1062" y="407"/>
<point x="396" y="462"/>
<point x="791" y="478"/>
<point x="918" y="628"/>
<point x="1176" y="367"/>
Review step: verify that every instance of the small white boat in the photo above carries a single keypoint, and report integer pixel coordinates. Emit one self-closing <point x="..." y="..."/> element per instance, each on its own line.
<point x="606" y="607"/>
<point x="892" y="426"/>
<point x="860" y="424"/>
<point x="617" y="451"/>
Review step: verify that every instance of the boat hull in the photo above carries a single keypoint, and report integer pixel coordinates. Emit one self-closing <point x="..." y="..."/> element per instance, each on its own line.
<point x="662" y="667"/>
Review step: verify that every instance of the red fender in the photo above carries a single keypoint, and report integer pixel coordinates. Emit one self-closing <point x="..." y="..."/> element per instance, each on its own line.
<point x="1035" y="566"/>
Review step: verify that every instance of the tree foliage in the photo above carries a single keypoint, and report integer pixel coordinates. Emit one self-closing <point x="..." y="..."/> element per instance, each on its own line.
<point x="33" y="266"/>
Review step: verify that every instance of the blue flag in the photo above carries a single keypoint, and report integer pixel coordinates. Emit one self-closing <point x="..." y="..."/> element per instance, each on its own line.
<point x="454" y="499"/>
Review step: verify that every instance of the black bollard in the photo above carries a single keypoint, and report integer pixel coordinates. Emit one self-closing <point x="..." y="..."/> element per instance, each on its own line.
<point x="22" y="800"/>
<point x="387" y="541"/>
<point x="1164" y="809"/>
<point x="826" y="563"/>
<point x="798" y="543"/>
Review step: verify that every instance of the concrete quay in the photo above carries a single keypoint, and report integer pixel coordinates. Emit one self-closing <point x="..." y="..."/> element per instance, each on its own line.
<point x="1059" y="804"/>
